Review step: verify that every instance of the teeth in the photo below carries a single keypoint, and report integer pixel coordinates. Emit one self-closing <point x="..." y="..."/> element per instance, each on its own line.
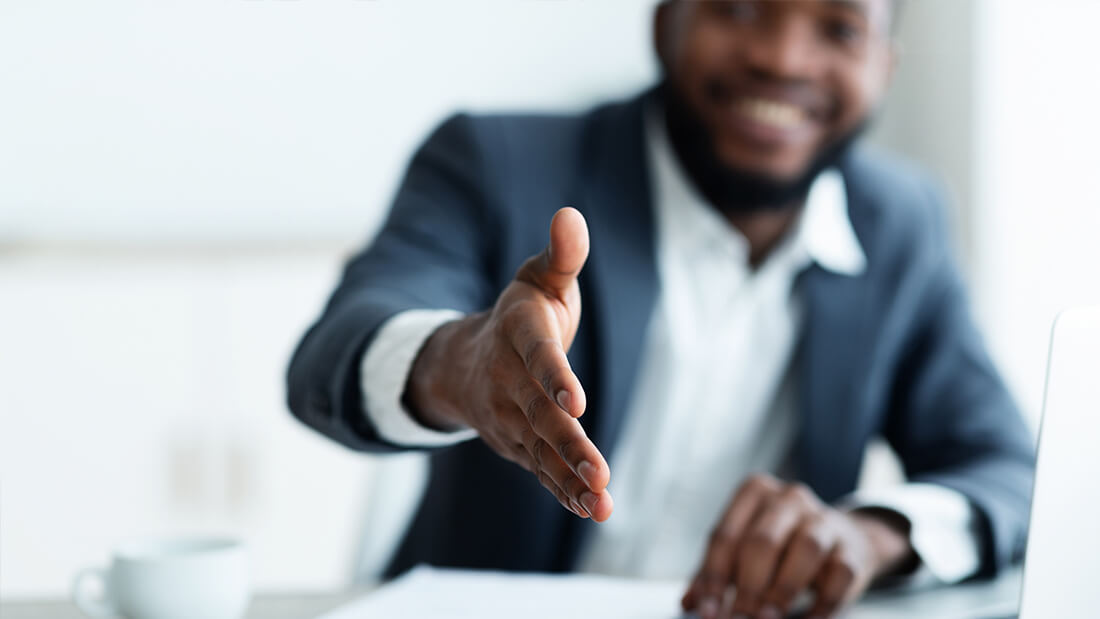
<point x="775" y="113"/>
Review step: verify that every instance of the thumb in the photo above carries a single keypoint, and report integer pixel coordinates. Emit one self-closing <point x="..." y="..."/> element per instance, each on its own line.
<point x="557" y="267"/>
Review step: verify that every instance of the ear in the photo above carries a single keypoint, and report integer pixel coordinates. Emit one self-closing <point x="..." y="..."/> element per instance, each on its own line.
<point x="662" y="21"/>
<point x="893" y="57"/>
<point x="885" y="64"/>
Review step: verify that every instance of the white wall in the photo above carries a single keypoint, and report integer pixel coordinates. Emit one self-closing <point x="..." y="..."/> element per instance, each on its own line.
<point x="1038" y="206"/>
<point x="141" y="394"/>
<point x="179" y="182"/>
<point x="930" y="110"/>
<point x="268" y="119"/>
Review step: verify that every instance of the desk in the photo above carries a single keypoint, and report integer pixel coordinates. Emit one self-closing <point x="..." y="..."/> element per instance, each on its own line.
<point x="263" y="606"/>
<point x="996" y="598"/>
<point x="973" y="600"/>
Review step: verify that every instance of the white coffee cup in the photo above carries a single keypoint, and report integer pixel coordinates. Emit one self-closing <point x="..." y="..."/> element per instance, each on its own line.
<point x="183" y="578"/>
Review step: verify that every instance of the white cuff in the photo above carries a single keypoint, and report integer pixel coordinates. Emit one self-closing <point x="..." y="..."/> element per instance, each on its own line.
<point x="384" y="373"/>
<point x="943" y="528"/>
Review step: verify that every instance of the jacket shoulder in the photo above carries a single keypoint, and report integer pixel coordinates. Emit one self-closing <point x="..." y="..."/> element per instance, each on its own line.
<point x="514" y="137"/>
<point x="543" y="143"/>
<point x="897" y="207"/>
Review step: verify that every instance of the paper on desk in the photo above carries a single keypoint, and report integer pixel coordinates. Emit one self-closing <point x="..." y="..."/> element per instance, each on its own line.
<point x="432" y="592"/>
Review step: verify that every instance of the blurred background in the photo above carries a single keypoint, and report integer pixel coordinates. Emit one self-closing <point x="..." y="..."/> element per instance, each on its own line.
<point x="181" y="180"/>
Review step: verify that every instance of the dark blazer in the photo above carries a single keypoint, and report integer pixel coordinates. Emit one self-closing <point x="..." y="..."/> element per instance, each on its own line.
<point x="892" y="352"/>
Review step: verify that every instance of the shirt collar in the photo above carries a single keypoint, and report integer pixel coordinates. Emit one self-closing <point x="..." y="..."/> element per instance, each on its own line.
<point x="823" y="232"/>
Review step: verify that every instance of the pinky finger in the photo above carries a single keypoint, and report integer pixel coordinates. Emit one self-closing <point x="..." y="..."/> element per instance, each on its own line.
<point x="520" y="456"/>
<point x="549" y="483"/>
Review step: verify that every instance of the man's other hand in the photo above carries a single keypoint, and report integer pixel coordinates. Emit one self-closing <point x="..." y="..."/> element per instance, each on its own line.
<point x="777" y="540"/>
<point x="504" y="372"/>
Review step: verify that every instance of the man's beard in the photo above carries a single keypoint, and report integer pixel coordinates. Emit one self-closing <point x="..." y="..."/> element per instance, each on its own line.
<point x="732" y="190"/>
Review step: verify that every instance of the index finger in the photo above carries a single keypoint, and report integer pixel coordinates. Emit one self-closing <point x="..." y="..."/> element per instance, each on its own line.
<point x="564" y="434"/>
<point x="535" y="338"/>
<point x="716" y="573"/>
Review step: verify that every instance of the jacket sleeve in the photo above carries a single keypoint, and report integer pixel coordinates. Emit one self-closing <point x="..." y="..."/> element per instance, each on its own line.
<point x="953" y="421"/>
<point x="432" y="252"/>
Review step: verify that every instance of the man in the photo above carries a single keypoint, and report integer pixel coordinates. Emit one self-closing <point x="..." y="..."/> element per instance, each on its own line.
<point x="761" y="298"/>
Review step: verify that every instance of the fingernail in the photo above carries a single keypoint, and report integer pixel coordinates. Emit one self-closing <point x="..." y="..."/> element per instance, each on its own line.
<point x="769" y="612"/>
<point x="589" y="500"/>
<point x="578" y="510"/>
<point x="587" y="471"/>
<point x="708" y="608"/>
<point x="564" y="400"/>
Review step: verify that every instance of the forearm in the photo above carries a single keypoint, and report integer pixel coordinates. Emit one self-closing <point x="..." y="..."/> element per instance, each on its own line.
<point x="321" y="380"/>
<point x="998" y="487"/>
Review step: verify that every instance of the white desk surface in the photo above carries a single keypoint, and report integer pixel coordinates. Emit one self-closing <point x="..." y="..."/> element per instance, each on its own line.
<point x="981" y="599"/>
<point x="971" y="600"/>
<point x="263" y="606"/>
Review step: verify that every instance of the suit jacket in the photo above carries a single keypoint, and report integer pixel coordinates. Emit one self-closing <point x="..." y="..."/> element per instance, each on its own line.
<point x="893" y="352"/>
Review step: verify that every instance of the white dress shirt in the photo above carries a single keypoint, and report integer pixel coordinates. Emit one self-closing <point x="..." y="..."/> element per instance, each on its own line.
<point x="715" y="399"/>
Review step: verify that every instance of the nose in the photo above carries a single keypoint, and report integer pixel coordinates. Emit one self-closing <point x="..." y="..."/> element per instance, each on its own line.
<point x="784" y="48"/>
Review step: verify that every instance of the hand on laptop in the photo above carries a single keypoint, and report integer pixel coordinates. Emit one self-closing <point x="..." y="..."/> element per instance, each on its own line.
<point x="504" y="372"/>
<point x="777" y="540"/>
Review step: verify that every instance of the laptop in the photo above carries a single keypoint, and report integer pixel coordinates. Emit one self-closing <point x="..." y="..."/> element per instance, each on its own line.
<point x="1062" y="566"/>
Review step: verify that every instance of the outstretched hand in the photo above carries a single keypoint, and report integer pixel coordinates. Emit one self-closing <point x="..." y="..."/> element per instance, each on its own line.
<point x="505" y="373"/>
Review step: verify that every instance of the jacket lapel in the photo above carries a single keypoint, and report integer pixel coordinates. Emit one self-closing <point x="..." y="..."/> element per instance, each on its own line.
<point x="834" y="361"/>
<point x="830" y="361"/>
<point x="614" y="195"/>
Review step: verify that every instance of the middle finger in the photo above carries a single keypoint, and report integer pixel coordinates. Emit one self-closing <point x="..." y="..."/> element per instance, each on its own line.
<point x="563" y="433"/>
<point x="759" y="554"/>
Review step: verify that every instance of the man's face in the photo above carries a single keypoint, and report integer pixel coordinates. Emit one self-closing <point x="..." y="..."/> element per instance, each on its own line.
<point x="775" y="82"/>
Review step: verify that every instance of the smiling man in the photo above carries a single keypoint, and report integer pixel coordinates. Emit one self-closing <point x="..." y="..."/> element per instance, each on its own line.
<point x="762" y="296"/>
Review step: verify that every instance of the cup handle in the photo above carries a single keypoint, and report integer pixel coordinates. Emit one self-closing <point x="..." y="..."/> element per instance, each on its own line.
<point x="99" y="608"/>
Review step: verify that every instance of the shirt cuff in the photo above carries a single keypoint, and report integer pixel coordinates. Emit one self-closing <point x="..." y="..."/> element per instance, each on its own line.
<point x="384" y="373"/>
<point x="943" y="528"/>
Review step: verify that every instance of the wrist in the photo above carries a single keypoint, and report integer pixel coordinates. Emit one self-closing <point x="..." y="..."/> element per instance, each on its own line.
<point x="888" y="535"/>
<point x="431" y="389"/>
